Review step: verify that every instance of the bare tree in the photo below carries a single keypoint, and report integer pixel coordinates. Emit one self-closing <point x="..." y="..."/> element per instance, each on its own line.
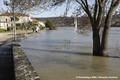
<point x="22" y="6"/>
<point x="95" y="11"/>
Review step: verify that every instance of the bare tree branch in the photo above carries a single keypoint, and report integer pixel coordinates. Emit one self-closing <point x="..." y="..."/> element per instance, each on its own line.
<point x="81" y="5"/>
<point x="95" y="10"/>
<point x="100" y="12"/>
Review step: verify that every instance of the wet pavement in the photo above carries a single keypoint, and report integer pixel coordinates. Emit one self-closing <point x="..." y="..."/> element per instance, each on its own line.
<point x="6" y="62"/>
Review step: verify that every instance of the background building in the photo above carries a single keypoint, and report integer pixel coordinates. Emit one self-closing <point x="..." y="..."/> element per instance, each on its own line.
<point x="6" y="19"/>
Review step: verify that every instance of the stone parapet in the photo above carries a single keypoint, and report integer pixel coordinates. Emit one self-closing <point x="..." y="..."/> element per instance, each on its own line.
<point x="23" y="68"/>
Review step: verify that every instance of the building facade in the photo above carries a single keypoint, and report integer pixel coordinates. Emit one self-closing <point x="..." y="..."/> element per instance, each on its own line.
<point x="6" y="19"/>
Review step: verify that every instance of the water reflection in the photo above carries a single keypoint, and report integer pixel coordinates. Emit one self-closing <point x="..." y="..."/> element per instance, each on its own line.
<point x="99" y="64"/>
<point x="62" y="55"/>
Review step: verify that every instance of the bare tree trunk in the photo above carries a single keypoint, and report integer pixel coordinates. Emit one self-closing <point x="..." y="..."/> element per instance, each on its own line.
<point x="96" y="41"/>
<point x="14" y="24"/>
<point x="100" y="47"/>
<point x="104" y="43"/>
<point x="14" y="27"/>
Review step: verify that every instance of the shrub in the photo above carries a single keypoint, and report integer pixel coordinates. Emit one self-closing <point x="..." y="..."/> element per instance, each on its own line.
<point x="9" y="28"/>
<point x="41" y="27"/>
<point x="20" y="28"/>
<point x="30" y="27"/>
<point x="49" y="25"/>
<point x="2" y="30"/>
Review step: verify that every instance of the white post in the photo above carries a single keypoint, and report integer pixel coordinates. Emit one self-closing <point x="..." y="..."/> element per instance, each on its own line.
<point x="75" y="22"/>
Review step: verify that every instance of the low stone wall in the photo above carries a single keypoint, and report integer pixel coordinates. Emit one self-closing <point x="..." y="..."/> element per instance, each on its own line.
<point x="23" y="68"/>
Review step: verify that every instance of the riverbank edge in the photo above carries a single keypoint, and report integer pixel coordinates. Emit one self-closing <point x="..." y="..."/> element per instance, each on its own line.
<point x="22" y="66"/>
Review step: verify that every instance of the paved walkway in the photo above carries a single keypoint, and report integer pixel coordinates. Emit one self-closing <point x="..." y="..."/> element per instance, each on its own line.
<point x="8" y="35"/>
<point x="6" y="62"/>
<point x="6" y="57"/>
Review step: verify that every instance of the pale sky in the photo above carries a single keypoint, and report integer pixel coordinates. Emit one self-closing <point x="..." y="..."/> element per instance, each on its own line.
<point x="50" y="13"/>
<point x="53" y="12"/>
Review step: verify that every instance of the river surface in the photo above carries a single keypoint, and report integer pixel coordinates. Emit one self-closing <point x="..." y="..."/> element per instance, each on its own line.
<point x="62" y="55"/>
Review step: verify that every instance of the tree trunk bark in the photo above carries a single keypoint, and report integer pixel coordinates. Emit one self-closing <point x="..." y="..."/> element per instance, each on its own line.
<point x="96" y="42"/>
<point x="104" y="43"/>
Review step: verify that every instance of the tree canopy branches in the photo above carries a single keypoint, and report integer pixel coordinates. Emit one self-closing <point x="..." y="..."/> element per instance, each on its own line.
<point x="97" y="10"/>
<point x="26" y="5"/>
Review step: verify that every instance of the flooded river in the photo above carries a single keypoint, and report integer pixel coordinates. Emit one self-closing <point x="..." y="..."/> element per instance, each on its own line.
<point x="62" y="55"/>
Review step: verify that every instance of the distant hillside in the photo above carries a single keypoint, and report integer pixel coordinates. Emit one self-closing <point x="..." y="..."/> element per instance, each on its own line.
<point x="69" y="21"/>
<point x="61" y="21"/>
<point x="116" y="21"/>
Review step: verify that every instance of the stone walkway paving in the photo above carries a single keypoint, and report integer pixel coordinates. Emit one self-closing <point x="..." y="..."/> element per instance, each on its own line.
<point x="9" y="35"/>
<point x="6" y="62"/>
<point x="23" y="68"/>
<point x="7" y="69"/>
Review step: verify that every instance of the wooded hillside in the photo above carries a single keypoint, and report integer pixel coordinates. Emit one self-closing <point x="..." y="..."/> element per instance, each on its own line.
<point x="69" y="21"/>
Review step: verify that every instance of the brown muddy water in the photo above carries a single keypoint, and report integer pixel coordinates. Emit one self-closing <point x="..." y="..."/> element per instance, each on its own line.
<point x="62" y="55"/>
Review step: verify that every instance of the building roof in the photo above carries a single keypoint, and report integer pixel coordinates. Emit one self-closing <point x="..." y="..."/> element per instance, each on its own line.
<point x="11" y="14"/>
